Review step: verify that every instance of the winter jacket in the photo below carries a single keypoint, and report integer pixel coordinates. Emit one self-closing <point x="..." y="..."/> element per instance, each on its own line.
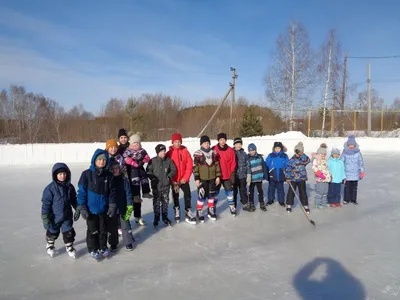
<point x="336" y="167"/>
<point x="206" y="165"/>
<point x="96" y="188"/>
<point x="258" y="168"/>
<point x="242" y="164"/>
<point x="122" y="148"/>
<point x="227" y="161"/>
<point x="59" y="197"/>
<point x="160" y="172"/>
<point x="320" y="165"/>
<point x="296" y="168"/>
<point x="183" y="162"/>
<point x="276" y="163"/>
<point x="353" y="163"/>
<point x="140" y="157"/>
<point x="123" y="193"/>
<point x="120" y="160"/>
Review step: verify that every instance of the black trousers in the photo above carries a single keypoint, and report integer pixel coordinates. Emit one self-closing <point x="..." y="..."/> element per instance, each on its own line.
<point x="260" y="193"/>
<point x="302" y="193"/>
<point x="139" y="179"/>
<point x="240" y="186"/>
<point x="160" y="202"/>
<point x="96" y="234"/>
<point x="137" y="210"/>
<point x="350" y="191"/>
<point x="186" y="195"/>
<point x="112" y="229"/>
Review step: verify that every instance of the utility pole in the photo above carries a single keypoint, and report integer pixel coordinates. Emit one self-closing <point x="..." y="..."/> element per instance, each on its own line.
<point x="369" y="98"/>
<point x="328" y="76"/>
<point x="233" y="84"/>
<point x="343" y="90"/>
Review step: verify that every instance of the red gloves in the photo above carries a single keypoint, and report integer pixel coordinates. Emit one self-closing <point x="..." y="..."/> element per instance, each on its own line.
<point x="361" y="175"/>
<point x="321" y="175"/>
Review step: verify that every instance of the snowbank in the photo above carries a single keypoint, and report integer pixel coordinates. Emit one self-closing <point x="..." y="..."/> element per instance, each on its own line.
<point x="78" y="153"/>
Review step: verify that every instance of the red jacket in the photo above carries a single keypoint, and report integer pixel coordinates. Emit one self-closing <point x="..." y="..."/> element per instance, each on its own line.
<point x="183" y="162"/>
<point x="227" y="161"/>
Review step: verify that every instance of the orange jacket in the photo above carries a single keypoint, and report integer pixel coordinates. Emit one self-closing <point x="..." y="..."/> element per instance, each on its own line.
<point x="183" y="162"/>
<point x="227" y="161"/>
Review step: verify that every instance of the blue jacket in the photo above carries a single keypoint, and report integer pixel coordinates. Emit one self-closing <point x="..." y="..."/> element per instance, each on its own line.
<point x="296" y="168"/>
<point x="353" y="163"/>
<point x="123" y="193"/>
<point x="336" y="168"/>
<point x="242" y="164"/>
<point x="96" y="188"/>
<point x="258" y="168"/>
<point x="59" y="198"/>
<point x="276" y="163"/>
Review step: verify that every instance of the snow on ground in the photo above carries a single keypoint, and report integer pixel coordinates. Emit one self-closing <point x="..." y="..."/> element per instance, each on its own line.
<point x="353" y="253"/>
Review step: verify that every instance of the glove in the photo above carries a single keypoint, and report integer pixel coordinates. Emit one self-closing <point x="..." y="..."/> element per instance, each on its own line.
<point x="202" y="192"/>
<point x="77" y="214"/>
<point x="83" y="211"/>
<point x="361" y="175"/>
<point x="111" y="210"/>
<point x="248" y="179"/>
<point x="46" y="221"/>
<point x="233" y="178"/>
<point x="321" y="175"/>
<point x="128" y="212"/>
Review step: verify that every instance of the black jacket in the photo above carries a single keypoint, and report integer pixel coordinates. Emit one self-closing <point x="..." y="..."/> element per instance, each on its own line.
<point x="160" y="172"/>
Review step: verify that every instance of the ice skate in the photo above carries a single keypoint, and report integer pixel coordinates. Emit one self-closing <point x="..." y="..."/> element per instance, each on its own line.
<point x="105" y="252"/>
<point x="51" y="251"/>
<point x="70" y="250"/>
<point x="200" y="216"/>
<point x="189" y="218"/>
<point x="177" y="214"/>
<point x="288" y="209"/>
<point x="307" y="209"/>
<point x="211" y="214"/>
<point x="232" y="210"/>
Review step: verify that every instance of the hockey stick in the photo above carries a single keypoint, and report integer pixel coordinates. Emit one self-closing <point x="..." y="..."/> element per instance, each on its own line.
<point x="301" y="204"/>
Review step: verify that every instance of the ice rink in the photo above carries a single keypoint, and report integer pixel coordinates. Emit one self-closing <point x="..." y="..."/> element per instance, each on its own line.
<point x="353" y="253"/>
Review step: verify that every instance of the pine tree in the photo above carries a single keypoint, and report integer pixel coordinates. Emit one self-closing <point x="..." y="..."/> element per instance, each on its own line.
<point x="251" y="125"/>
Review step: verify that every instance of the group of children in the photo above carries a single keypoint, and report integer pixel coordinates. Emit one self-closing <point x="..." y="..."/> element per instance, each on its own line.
<point x="117" y="180"/>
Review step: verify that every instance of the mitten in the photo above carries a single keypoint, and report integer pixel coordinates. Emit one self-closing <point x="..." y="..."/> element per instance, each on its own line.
<point x="248" y="179"/>
<point x="83" y="211"/>
<point x="361" y="175"/>
<point x="321" y="175"/>
<point x="46" y="221"/>
<point x="128" y="161"/>
<point x="111" y="210"/>
<point x="77" y="214"/>
<point x="128" y="212"/>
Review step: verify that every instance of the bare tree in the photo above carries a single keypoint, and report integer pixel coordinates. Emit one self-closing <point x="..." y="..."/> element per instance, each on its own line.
<point x="290" y="79"/>
<point x="115" y="108"/>
<point x="78" y="112"/>
<point x="56" y="114"/>
<point x="361" y="102"/>
<point x="396" y="104"/>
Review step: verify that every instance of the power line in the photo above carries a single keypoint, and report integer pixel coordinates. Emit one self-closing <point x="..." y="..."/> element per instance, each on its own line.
<point x="374" y="57"/>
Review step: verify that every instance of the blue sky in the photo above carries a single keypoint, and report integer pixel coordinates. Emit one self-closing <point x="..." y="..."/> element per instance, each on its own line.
<point x="88" y="51"/>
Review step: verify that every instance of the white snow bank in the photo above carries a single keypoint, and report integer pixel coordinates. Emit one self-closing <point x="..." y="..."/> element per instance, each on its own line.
<point x="78" y="153"/>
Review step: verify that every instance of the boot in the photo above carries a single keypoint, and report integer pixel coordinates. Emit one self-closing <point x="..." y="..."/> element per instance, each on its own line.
<point x="211" y="214"/>
<point x="50" y="249"/>
<point x="70" y="250"/>
<point x="199" y="215"/>
<point x="177" y="214"/>
<point x="189" y="218"/>
<point x="232" y="208"/>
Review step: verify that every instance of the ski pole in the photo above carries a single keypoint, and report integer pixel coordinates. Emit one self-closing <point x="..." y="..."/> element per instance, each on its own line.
<point x="301" y="204"/>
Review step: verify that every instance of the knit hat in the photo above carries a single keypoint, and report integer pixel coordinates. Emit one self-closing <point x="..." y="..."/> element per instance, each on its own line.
<point x="101" y="156"/>
<point x="135" y="138"/>
<point x="122" y="132"/>
<point x="111" y="143"/>
<point x="299" y="147"/>
<point x="252" y="147"/>
<point x="204" y="139"/>
<point x="237" y="140"/>
<point x="351" y="140"/>
<point x="322" y="149"/>
<point x="160" y="147"/>
<point x="335" y="151"/>
<point x="221" y="136"/>
<point x="176" y="137"/>
<point x="278" y="144"/>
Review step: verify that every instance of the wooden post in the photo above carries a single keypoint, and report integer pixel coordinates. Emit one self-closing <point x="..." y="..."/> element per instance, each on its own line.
<point x="381" y="120"/>
<point x="332" y="121"/>
<point x="309" y="123"/>
<point x="233" y="85"/>
<point x="355" y="121"/>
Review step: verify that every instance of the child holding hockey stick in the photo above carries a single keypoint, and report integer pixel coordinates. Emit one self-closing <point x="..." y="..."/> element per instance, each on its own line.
<point x="322" y="176"/>
<point x="296" y="177"/>
<point x="58" y="199"/>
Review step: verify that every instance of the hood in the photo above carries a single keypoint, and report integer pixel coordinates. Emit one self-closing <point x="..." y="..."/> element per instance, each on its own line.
<point x="97" y="153"/>
<point x="59" y="166"/>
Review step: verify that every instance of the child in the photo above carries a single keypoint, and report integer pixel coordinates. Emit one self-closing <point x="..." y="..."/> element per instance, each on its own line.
<point x="276" y="163"/>
<point x="354" y="166"/>
<point x="161" y="170"/>
<point x="96" y="203"/>
<point x="123" y="141"/>
<point x="112" y="149"/>
<point x="58" y="199"/>
<point x="296" y="177"/>
<point x="322" y="176"/>
<point x="135" y="156"/>
<point x="184" y="168"/>
<point x="242" y="174"/>
<point x="259" y="173"/>
<point x="336" y="168"/>
<point x="124" y="209"/>
<point x="207" y="174"/>
<point x="227" y="162"/>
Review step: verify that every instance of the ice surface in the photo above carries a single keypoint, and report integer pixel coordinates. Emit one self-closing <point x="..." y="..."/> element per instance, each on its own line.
<point x="353" y="253"/>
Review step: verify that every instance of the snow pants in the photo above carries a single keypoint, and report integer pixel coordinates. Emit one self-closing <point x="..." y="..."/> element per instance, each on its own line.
<point x="276" y="186"/>
<point x="96" y="234"/>
<point x="334" y="193"/>
<point x="65" y="227"/>
<point x="350" y="191"/>
<point x="112" y="229"/>
<point x="160" y="202"/>
<point x="321" y="193"/>
<point x="301" y="185"/>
